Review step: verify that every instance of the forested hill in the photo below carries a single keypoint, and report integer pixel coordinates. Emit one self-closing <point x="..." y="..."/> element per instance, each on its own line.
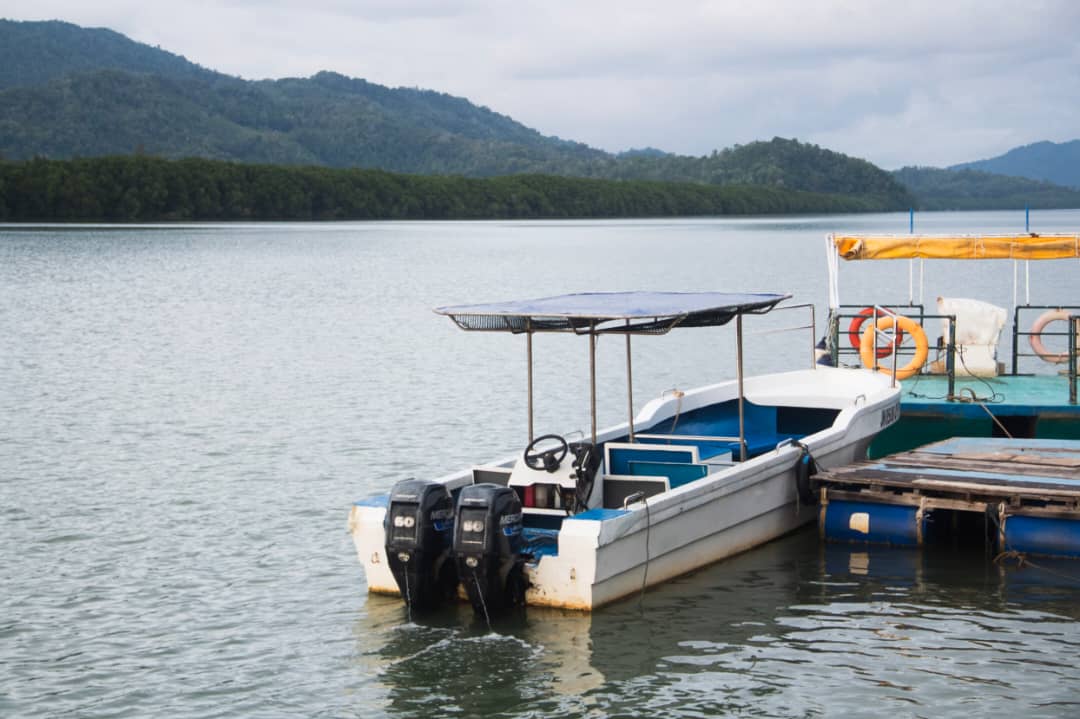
<point x="72" y="92"/>
<point x="32" y="53"/>
<point x="937" y="189"/>
<point x="109" y="95"/>
<point x="777" y="163"/>
<point x="1048" y="161"/>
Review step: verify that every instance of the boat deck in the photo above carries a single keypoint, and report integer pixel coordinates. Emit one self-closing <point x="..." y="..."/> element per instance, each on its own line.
<point x="1011" y="395"/>
<point x="1003" y="406"/>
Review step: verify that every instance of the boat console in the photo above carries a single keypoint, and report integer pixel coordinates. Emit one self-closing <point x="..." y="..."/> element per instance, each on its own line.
<point x="555" y="478"/>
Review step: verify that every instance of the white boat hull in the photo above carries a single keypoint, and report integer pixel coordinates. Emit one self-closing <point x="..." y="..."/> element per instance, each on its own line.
<point x="604" y="555"/>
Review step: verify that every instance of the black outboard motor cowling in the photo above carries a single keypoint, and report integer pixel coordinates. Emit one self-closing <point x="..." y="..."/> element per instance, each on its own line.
<point x="488" y="547"/>
<point x="419" y="528"/>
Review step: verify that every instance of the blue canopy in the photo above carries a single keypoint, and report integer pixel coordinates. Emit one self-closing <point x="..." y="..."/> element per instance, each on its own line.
<point x="611" y="312"/>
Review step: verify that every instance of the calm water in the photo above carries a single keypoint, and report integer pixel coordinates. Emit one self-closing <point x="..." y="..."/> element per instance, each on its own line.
<point x="186" y="414"/>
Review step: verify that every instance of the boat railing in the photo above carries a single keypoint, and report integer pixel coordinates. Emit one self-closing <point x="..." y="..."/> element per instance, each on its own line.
<point x="739" y="442"/>
<point x="689" y="437"/>
<point x="812" y="326"/>
<point x="886" y="338"/>
<point x="1053" y="312"/>
<point x="848" y="314"/>
<point x="891" y="338"/>
<point x="1074" y="323"/>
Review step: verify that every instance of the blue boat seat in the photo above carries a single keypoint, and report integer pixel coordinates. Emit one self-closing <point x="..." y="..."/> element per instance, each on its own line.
<point x="764" y="426"/>
<point x="618" y="455"/>
<point x="618" y="487"/>
<point x="678" y="473"/>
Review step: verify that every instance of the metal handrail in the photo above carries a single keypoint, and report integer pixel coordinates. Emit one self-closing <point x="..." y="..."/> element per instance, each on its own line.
<point x="835" y="330"/>
<point x="1074" y="323"/>
<point x="889" y="335"/>
<point x="812" y="327"/>
<point x="691" y="437"/>
<point x="1017" y="334"/>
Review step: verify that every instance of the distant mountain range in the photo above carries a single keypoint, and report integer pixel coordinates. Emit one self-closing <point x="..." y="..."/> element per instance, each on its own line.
<point x="68" y="91"/>
<point x="1054" y="162"/>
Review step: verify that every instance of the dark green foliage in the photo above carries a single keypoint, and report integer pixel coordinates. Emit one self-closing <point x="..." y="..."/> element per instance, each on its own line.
<point x="642" y="152"/>
<point x="73" y="92"/>
<point x="1058" y="163"/>
<point x="779" y="163"/>
<point x="973" y="190"/>
<point x="33" y="53"/>
<point x="141" y="188"/>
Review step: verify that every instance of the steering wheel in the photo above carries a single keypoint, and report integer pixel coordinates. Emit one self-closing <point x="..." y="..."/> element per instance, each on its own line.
<point x="548" y="459"/>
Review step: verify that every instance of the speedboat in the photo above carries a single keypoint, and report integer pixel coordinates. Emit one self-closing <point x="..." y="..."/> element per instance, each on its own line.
<point x="695" y="476"/>
<point x="958" y="386"/>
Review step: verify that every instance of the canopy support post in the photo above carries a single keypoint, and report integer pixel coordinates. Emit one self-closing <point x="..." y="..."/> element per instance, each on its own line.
<point x="529" y="353"/>
<point x="592" y="378"/>
<point x="922" y="281"/>
<point x="911" y="281"/>
<point x="629" y="386"/>
<point x="739" y="374"/>
<point x="1016" y="282"/>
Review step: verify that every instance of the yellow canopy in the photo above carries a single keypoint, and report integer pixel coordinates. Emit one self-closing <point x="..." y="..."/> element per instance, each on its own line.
<point x="957" y="247"/>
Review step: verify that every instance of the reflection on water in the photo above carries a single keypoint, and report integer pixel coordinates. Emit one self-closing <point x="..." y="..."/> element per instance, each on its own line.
<point x="791" y="629"/>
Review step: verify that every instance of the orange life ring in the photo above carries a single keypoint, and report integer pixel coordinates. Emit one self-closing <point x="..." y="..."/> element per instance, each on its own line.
<point x="856" y="327"/>
<point x="1036" y="336"/>
<point x="922" y="347"/>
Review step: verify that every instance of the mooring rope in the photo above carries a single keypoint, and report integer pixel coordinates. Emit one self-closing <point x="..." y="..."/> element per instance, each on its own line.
<point x="648" y="527"/>
<point x="1022" y="559"/>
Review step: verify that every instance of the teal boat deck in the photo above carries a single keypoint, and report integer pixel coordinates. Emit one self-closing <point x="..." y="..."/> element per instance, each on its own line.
<point x="1026" y="406"/>
<point x="1014" y="395"/>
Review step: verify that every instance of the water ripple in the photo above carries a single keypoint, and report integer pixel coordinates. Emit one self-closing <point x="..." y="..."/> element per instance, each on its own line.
<point x="188" y="413"/>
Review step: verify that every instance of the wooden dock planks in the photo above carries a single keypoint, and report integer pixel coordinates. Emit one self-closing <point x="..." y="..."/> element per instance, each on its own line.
<point x="969" y="471"/>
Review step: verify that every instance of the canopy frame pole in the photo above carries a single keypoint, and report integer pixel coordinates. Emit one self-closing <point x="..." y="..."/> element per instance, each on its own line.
<point x="739" y="375"/>
<point x="529" y="356"/>
<point x="832" y="260"/>
<point x="629" y="386"/>
<point x="592" y="377"/>
<point x="911" y="281"/>
<point x="922" y="280"/>
<point x="1016" y="282"/>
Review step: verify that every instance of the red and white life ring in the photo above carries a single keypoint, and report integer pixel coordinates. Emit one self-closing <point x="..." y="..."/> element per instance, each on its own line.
<point x="1036" y="336"/>
<point x="855" y="329"/>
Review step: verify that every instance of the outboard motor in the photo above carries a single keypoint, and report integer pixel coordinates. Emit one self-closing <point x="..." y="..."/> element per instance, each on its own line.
<point x="419" y="529"/>
<point x="488" y="547"/>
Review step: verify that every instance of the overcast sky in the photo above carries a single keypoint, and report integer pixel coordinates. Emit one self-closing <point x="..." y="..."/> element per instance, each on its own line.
<point x="898" y="83"/>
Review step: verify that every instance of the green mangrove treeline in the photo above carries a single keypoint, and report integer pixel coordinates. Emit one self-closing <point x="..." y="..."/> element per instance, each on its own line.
<point x="938" y="189"/>
<point x="149" y="189"/>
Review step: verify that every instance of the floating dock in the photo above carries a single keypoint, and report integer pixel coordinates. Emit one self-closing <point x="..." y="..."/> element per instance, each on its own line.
<point x="1016" y="495"/>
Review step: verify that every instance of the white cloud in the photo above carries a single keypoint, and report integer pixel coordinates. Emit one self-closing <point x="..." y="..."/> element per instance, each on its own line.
<point x="897" y="83"/>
